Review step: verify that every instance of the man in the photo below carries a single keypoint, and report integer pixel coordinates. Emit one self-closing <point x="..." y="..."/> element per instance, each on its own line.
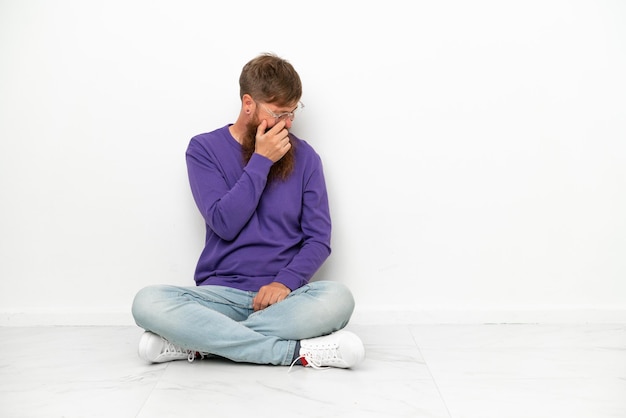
<point x="262" y="193"/>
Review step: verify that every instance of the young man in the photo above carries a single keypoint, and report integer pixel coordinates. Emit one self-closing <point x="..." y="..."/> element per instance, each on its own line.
<point x="262" y="193"/>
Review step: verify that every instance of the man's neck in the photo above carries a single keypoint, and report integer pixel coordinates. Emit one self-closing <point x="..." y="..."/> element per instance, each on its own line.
<point x="237" y="131"/>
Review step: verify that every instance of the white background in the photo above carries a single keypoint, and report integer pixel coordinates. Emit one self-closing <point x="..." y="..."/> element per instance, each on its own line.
<point x="474" y="150"/>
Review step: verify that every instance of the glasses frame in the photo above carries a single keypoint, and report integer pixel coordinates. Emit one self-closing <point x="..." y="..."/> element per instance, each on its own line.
<point x="280" y="116"/>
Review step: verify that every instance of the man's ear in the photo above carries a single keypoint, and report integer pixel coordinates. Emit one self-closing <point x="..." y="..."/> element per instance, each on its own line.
<point x="248" y="103"/>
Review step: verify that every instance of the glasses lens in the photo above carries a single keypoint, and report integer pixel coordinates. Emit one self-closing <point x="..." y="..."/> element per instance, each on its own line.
<point x="284" y="116"/>
<point x="292" y="115"/>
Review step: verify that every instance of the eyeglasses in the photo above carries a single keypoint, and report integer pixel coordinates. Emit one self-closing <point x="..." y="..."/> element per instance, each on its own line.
<point x="280" y="116"/>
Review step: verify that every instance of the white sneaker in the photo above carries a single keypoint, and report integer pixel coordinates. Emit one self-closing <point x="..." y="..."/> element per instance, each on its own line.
<point x="341" y="349"/>
<point x="156" y="349"/>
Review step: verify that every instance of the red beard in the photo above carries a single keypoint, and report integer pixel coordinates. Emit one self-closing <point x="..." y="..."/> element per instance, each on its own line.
<point x="282" y="168"/>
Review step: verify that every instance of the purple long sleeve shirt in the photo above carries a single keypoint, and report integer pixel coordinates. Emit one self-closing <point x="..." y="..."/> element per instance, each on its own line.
<point x="257" y="233"/>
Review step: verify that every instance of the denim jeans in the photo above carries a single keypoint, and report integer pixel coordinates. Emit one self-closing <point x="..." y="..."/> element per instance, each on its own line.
<point x="220" y="320"/>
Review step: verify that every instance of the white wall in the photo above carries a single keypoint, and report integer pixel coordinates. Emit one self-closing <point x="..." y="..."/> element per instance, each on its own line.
<point x="474" y="151"/>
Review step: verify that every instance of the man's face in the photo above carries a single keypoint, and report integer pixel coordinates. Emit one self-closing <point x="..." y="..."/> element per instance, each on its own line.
<point x="273" y="113"/>
<point x="283" y="167"/>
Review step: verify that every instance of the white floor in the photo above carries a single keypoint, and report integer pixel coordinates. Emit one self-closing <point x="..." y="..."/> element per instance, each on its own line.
<point x="452" y="371"/>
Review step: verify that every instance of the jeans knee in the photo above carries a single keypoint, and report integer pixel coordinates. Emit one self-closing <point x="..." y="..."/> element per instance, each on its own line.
<point x="144" y="303"/>
<point x="346" y="299"/>
<point x="340" y="298"/>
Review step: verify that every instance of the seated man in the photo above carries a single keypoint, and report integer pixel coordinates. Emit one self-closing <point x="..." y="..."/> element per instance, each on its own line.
<point x="262" y="193"/>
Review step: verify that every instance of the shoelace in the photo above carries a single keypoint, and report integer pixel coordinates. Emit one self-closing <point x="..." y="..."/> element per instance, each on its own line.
<point x="317" y="358"/>
<point x="194" y="355"/>
<point x="310" y="363"/>
<point x="174" y="350"/>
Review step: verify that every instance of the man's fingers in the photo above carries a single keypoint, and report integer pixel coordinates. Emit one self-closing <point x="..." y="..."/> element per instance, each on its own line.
<point x="260" y="130"/>
<point x="278" y="127"/>
<point x="269" y="295"/>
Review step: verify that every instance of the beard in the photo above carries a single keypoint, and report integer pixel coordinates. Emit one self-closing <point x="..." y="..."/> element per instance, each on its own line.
<point x="282" y="168"/>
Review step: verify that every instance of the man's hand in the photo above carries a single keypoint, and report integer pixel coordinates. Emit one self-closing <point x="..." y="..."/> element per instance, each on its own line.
<point x="274" y="143"/>
<point x="270" y="294"/>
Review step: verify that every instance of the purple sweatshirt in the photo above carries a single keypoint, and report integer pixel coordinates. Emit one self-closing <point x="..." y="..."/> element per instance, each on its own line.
<point x="257" y="233"/>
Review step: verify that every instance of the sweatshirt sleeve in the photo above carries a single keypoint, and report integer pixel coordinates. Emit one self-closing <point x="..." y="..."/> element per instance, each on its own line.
<point x="225" y="209"/>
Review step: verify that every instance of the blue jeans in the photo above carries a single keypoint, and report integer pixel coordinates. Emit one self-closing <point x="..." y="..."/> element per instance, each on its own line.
<point x="220" y="320"/>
